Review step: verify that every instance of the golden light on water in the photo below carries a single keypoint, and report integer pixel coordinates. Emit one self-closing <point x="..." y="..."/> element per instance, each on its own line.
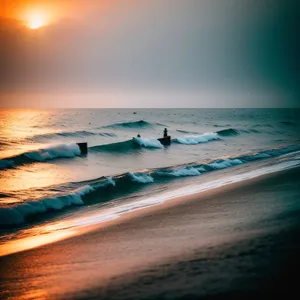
<point x="16" y="128"/>
<point x="17" y="125"/>
<point x="33" y="242"/>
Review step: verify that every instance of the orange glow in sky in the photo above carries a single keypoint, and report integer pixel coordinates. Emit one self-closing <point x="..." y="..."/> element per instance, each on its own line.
<point x="33" y="14"/>
<point x="38" y="15"/>
<point x="36" y="19"/>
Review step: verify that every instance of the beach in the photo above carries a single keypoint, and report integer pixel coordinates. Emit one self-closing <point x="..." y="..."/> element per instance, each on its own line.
<point x="238" y="241"/>
<point x="149" y="150"/>
<point x="212" y="215"/>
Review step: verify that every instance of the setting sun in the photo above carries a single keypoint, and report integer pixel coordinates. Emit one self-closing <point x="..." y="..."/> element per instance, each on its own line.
<point x="36" y="20"/>
<point x="36" y="23"/>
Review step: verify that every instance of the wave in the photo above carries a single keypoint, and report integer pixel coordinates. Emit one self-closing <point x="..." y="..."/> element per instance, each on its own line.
<point x="228" y="132"/>
<point x="210" y="136"/>
<point x="148" y="142"/>
<point x="115" y="147"/>
<point x="6" y="164"/>
<point x="185" y="131"/>
<point x="126" y="146"/>
<point x="196" y="139"/>
<point x="234" y="132"/>
<point x="72" y="150"/>
<point x="179" y="172"/>
<point x="41" y="155"/>
<point x="105" y="189"/>
<point x="81" y="133"/>
<point x="136" y="124"/>
<point x="223" y="164"/>
<point x="141" y="177"/>
<point x="207" y="137"/>
<point x="17" y="215"/>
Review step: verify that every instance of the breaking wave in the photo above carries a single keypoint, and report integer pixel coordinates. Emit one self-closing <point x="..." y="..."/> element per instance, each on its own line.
<point x="148" y="143"/>
<point x="17" y="215"/>
<point x="105" y="189"/>
<point x="127" y="146"/>
<point x="196" y="139"/>
<point x="72" y="150"/>
<point x="41" y="155"/>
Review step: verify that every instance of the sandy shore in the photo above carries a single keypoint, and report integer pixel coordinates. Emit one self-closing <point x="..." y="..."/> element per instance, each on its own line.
<point x="228" y="242"/>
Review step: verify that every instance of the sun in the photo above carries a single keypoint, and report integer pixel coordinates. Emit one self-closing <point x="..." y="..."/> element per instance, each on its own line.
<point x="36" y="19"/>
<point x="36" y="22"/>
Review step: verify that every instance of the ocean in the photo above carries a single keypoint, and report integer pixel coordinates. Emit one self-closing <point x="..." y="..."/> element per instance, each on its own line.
<point x="47" y="186"/>
<point x="214" y="215"/>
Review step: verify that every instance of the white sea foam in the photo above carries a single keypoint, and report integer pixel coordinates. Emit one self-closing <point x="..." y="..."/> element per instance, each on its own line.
<point x="200" y="169"/>
<point x="141" y="177"/>
<point x="63" y="150"/>
<point x="193" y="189"/>
<point x="16" y="215"/>
<point x="225" y="164"/>
<point x="185" y="191"/>
<point x="149" y="143"/>
<point x="261" y="155"/>
<point x="62" y="231"/>
<point x="182" y="172"/>
<point x="197" y="139"/>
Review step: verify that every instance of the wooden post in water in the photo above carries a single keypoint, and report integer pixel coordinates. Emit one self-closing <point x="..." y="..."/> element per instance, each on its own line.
<point x="83" y="148"/>
<point x="166" y="141"/>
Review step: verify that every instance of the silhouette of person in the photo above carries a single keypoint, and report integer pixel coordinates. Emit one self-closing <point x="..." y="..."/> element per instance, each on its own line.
<point x="165" y="132"/>
<point x="138" y="135"/>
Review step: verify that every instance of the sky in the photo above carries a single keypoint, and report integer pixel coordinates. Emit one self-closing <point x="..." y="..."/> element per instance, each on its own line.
<point x="149" y="53"/>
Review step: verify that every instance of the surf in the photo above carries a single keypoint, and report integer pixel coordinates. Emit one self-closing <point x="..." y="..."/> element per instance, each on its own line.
<point x="41" y="155"/>
<point x="103" y="189"/>
<point x="128" y="145"/>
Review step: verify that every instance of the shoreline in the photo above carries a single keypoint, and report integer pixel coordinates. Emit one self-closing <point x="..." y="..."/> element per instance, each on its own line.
<point x="152" y="242"/>
<point x="30" y="243"/>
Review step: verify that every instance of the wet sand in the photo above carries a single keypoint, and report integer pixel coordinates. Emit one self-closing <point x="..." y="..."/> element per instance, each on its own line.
<point x="238" y="241"/>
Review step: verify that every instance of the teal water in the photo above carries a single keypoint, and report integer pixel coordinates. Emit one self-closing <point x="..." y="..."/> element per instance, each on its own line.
<point x="44" y="177"/>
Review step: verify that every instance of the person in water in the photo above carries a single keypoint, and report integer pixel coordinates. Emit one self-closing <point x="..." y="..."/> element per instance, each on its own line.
<point x="165" y="132"/>
<point x="138" y="135"/>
